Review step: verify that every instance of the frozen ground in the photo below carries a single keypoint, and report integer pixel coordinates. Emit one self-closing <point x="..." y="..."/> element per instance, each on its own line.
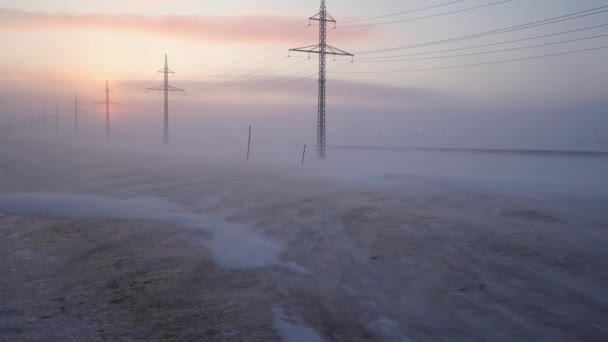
<point x="104" y="244"/>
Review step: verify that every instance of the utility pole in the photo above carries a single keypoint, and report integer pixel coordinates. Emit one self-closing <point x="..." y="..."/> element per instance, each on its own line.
<point x="322" y="49"/>
<point x="166" y="88"/>
<point x="107" y="103"/>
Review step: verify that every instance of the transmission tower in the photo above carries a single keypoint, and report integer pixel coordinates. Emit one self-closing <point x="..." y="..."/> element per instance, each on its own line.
<point x="323" y="49"/>
<point x="56" y="118"/>
<point x="166" y="88"/>
<point x="107" y="103"/>
<point x="76" y="112"/>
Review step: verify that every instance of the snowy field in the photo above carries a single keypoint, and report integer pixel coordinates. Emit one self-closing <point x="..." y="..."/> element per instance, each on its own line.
<point x="104" y="243"/>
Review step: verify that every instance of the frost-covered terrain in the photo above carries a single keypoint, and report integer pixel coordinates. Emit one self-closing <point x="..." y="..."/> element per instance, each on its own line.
<point x="101" y="243"/>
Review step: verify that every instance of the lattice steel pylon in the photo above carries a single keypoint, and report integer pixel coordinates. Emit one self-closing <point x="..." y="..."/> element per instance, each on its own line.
<point x="107" y="103"/>
<point x="76" y="112"/>
<point x="323" y="49"/>
<point x="166" y="88"/>
<point x="56" y="118"/>
<point x="75" y="115"/>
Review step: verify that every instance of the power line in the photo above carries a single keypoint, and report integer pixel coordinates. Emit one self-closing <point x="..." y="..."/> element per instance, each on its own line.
<point x="244" y="86"/>
<point x="285" y="83"/>
<point x="401" y="13"/>
<point x="543" y="22"/>
<point x="265" y="61"/>
<point x="280" y="54"/>
<point x="276" y="43"/>
<point x="257" y="86"/>
<point x="488" y="52"/>
<point x="229" y="86"/>
<point x="309" y="75"/>
<point x="428" y="16"/>
<point x="271" y="82"/>
<point x="484" y="45"/>
<point x="476" y="64"/>
<point x="226" y="85"/>
<point x="255" y="54"/>
<point x="315" y="74"/>
<point x="262" y="62"/>
<point x="252" y="73"/>
<point x="274" y="84"/>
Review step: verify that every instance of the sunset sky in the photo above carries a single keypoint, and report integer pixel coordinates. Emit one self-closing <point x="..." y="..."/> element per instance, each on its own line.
<point x="56" y="48"/>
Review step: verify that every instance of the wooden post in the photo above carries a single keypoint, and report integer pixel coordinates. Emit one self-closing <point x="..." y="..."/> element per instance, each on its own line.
<point x="303" y="154"/>
<point x="249" y="144"/>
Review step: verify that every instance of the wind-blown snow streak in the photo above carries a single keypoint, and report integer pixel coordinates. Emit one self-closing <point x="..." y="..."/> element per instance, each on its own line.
<point x="290" y="331"/>
<point x="233" y="246"/>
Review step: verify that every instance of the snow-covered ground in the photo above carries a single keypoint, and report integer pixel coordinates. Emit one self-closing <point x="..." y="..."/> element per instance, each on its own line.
<point x="369" y="246"/>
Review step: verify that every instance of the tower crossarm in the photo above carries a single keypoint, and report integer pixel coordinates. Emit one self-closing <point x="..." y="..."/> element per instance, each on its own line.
<point x="316" y="49"/>
<point x="156" y="88"/>
<point x="169" y="88"/>
<point x="338" y="52"/>
<point x="319" y="17"/>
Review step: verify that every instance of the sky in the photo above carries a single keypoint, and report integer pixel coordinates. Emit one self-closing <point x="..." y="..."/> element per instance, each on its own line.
<point x="232" y="58"/>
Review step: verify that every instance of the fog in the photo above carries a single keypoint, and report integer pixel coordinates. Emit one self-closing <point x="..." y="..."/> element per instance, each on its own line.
<point x="277" y="142"/>
<point x="364" y="239"/>
<point x="463" y="197"/>
<point x="358" y="114"/>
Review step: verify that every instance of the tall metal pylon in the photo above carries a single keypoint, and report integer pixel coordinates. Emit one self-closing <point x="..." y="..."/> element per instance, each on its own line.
<point x="322" y="49"/>
<point x="56" y="118"/>
<point x="166" y="88"/>
<point x="107" y="103"/>
<point x="75" y="115"/>
<point x="76" y="112"/>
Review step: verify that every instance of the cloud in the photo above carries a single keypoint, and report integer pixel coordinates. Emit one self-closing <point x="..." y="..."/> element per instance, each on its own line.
<point x="200" y="28"/>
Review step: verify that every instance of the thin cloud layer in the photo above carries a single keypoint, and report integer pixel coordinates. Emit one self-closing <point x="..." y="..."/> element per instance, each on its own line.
<point x="201" y="28"/>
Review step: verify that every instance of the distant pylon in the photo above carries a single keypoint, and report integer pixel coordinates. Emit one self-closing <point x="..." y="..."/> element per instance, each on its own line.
<point x="56" y="118"/>
<point x="166" y="88"/>
<point x="76" y="115"/>
<point x="323" y="49"/>
<point x="107" y="103"/>
<point x="76" y="112"/>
